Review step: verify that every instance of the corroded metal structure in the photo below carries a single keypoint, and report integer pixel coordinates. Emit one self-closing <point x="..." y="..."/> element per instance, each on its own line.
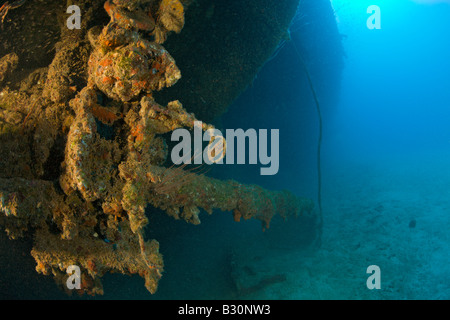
<point x="81" y="164"/>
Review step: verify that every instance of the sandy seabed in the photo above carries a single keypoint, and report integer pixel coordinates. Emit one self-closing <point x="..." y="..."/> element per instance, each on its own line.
<point x="392" y="212"/>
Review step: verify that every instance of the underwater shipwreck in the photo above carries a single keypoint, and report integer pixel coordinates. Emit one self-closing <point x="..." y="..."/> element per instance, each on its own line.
<point x="85" y="115"/>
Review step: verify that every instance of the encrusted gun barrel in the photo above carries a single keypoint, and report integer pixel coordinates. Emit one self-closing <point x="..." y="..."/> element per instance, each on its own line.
<point x="181" y="193"/>
<point x="95" y="258"/>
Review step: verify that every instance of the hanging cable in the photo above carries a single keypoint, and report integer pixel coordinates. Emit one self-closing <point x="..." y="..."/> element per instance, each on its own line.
<point x="319" y="146"/>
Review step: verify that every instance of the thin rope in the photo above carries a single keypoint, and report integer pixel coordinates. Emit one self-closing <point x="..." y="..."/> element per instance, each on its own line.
<point x="319" y="146"/>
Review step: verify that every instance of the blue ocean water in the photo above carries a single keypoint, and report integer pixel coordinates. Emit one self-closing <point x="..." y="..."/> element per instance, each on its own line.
<point x="386" y="143"/>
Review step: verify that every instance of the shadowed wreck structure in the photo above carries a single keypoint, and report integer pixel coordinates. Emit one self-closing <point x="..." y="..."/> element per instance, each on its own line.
<point x="84" y="118"/>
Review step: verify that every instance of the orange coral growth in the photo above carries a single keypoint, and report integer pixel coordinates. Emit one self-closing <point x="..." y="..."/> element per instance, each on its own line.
<point x="130" y="19"/>
<point x="109" y="7"/>
<point x="237" y="215"/>
<point x="114" y="208"/>
<point x="156" y="67"/>
<point x="138" y="133"/>
<point x="91" y="265"/>
<point x="106" y="62"/>
<point x="105" y="115"/>
<point x="108" y="80"/>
